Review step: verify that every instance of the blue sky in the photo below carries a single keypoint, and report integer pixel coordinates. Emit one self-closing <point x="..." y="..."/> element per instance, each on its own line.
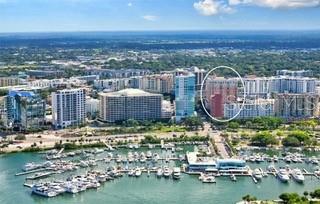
<point x="119" y="15"/>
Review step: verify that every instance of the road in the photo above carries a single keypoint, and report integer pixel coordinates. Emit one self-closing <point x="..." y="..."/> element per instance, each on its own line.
<point x="219" y="141"/>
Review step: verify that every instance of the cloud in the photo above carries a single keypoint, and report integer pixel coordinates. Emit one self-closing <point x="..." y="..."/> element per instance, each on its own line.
<point x="150" y="17"/>
<point x="129" y="4"/>
<point x="275" y="4"/>
<point x="211" y="7"/>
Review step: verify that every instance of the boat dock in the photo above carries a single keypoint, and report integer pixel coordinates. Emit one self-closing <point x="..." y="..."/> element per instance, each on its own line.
<point x="30" y="172"/>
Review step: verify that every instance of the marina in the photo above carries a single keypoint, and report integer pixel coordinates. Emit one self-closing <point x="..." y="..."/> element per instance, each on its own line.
<point x="136" y="168"/>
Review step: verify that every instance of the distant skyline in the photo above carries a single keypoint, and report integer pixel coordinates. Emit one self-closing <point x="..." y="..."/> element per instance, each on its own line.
<point x="157" y="15"/>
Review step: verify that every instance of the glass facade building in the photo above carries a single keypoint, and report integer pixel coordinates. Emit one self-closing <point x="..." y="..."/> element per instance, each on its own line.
<point x="25" y="109"/>
<point x="184" y="96"/>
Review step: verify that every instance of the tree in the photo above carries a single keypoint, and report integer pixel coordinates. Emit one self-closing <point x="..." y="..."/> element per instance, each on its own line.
<point x="131" y="123"/>
<point x="20" y="137"/>
<point x="263" y="139"/>
<point x="193" y="122"/>
<point x="233" y="125"/>
<point x="249" y="124"/>
<point x="297" y="138"/>
<point x="267" y="123"/>
<point x="3" y="92"/>
<point x="315" y="194"/>
<point x="291" y="142"/>
<point x="249" y="198"/>
<point x="292" y="198"/>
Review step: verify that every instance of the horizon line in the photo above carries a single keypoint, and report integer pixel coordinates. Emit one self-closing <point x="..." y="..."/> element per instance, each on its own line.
<point x="169" y="30"/>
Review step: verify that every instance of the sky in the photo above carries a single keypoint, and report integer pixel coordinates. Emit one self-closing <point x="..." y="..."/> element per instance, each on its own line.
<point x="139" y="15"/>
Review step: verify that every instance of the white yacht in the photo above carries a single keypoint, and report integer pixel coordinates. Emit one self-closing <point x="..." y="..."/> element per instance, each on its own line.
<point x="287" y="159"/>
<point x="31" y="166"/>
<point x="314" y="160"/>
<point x="257" y="174"/>
<point x="110" y="155"/>
<point x="58" y="189"/>
<point x="176" y="173"/>
<point x="283" y="175"/>
<point x="159" y="172"/>
<point x="208" y="179"/>
<point x="130" y="157"/>
<point x="202" y="175"/>
<point x="44" y="191"/>
<point x="156" y="157"/>
<point x="149" y="155"/>
<point x="131" y="172"/>
<point x="297" y="175"/>
<point x="107" y="160"/>
<point x="167" y="172"/>
<point x="138" y="172"/>
<point x="142" y="157"/>
<point x="233" y="177"/>
<point x="98" y="151"/>
<point x="252" y="158"/>
<point x="118" y="158"/>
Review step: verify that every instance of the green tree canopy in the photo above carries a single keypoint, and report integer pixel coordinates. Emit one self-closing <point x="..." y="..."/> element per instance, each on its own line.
<point x="263" y="139"/>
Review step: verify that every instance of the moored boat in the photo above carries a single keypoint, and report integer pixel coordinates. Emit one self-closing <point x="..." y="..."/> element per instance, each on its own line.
<point x="283" y="175"/>
<point x="297" y="175"/>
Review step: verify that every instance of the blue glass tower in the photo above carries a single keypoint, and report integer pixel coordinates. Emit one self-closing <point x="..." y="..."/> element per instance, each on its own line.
<point x="184" y="96"/>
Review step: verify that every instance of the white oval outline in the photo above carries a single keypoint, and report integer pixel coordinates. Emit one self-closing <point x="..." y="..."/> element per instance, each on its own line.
<point x="244" y="94"/>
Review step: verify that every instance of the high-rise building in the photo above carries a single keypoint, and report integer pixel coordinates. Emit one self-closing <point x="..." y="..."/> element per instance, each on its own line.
<point x="264" y="86"/>
<point x="92" y="106"/>
<point x="157" y="83"/>
<point x="296" y="105"/>
<point x="259" y="87"/>
<point x="68" y="107"/>
<point x="250" y="109"/>
<point x="184" y="96"/>
<point x="285" y="84"/>
<point x="220" y="90"/>
<point x="297" y="73"/>
<point x="24" y="109"/>
<point x="130" y="104"/>
<point x="9" y="81"/>
<point x="199" y="76"/>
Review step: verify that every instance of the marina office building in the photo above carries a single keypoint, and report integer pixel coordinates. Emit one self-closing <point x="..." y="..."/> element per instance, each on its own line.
<point x="210" y="164"/>
<point x="68" y="107"/>
<point x="130" y="104"/>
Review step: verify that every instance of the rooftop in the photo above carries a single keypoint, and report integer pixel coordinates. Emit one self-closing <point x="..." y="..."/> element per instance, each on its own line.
<point x="193" y="159"/>
<point x="21" y="93"/>
<point x="130" y="92"/>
